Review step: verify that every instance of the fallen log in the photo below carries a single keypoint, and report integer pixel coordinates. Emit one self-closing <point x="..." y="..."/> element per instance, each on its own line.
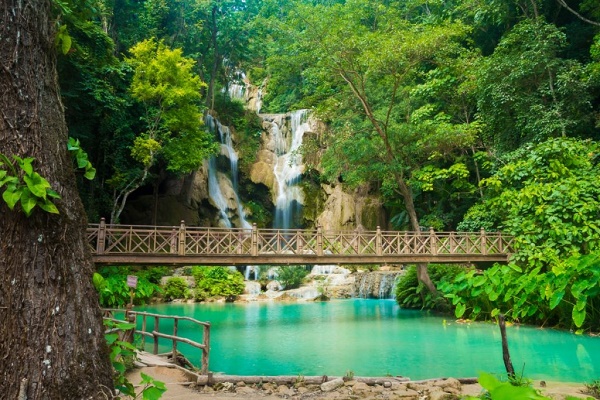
<point x="211" y="379"/>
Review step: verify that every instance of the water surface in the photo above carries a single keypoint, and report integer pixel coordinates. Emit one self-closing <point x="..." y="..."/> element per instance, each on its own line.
<point x="374" y="338"/>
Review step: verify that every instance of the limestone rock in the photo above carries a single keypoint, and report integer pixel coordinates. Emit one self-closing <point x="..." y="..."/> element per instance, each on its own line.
<point x="441" y="395"/>
<point x="332" y="385"/>
<point x="450" y="383"/>
<point x="361" y="387"/>
<point x="274" y="286"/>
<point x="245" y="390"/>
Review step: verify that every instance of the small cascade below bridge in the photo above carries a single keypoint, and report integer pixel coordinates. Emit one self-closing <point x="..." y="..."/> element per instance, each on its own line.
<point x="376" y="284"/>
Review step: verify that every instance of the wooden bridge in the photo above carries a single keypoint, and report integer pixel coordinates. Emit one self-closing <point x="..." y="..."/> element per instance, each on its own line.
<point x="184" y="245"/>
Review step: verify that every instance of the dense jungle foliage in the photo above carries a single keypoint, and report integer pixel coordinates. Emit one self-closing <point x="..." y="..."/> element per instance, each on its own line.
<point x="462" y="115"/>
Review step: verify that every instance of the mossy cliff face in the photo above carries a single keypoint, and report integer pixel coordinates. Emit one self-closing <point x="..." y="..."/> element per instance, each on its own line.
<point x="329" y="205"/>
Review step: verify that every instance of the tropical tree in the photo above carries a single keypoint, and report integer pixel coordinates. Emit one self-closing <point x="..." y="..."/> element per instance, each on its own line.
<point x="51" y="336"/>
<point x="547" y="196"/>
<point x="169" y="92"/>
<point x="528" y="92"/>
<point x="368" y="76"/>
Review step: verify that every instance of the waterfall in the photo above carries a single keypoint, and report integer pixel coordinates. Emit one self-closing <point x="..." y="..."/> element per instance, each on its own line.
<point x="288" y="169"/>
<point x="378" y="285"/>
<point x="214" y="188"/>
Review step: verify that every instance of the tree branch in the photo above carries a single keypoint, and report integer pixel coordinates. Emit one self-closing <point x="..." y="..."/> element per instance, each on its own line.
<point x="581" y="17"/>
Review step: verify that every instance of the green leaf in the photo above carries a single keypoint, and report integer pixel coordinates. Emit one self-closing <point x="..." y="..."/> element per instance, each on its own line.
<point x="578" y="316"/>
<point x="488" y="381"/>
<point x="28" y="201"/>
<point x="90" y="173"/>
<point x="37" y="185"/>
<point x="98" y="281"/>
<point x="515" y="267"/>
<point x="48" y="206"/>
<point x="25" y="164"/>
<point x="53" y="193"/>
<point x="82" y="159"/>
<point x="152" y="393"/>
<point x="11" y="196"/>
<point x="66" y="43"/>
<point x="73" y="144"/>
<point x="556" y="299"/>
<point x="460" y="310"/>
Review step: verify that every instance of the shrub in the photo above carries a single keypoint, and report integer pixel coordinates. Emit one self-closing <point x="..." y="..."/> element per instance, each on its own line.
<point x="217" y="281"/>
<point x="176" y="288"/>
<point x="291" y="277"/>
<point x="111" y="283"/>
<point x="410" y="293"/>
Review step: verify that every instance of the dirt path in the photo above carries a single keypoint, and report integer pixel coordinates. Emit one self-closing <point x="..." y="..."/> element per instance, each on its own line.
<point x="181" y="386"/>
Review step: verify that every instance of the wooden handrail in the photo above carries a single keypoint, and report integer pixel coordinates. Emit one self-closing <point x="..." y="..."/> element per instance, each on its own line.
<point x="156" y="334"/>
<point x="171" y="242"/>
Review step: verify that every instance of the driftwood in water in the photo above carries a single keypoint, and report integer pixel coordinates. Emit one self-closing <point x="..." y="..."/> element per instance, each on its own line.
<point x="510" y="370"/>
<point x="290" y="379"/>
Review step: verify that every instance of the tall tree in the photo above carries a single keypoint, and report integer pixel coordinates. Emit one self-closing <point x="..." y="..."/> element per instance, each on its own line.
<point x="51" y="336"/>
<point x="169" y="93"/>
<point x="368" y="78"/>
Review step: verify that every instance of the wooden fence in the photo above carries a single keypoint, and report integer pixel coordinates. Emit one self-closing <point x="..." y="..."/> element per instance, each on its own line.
<point x="188" y="245"/>
<point x="174" y="338"/>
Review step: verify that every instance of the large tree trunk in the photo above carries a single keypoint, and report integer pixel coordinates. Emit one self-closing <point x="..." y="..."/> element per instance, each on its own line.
<point x="51" y="334"/>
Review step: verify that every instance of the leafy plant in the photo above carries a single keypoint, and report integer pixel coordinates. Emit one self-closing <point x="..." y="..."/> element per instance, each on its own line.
<point x="291" y="277"/>
<point x="122" y="356"/>
<point x="81" y="158"/>
<point x="26" y="187"/>
<point x="593" y="388"/>
<point x="111" y="283"/>
<point x="217" y="281"/>
<point x="499" y="390"/>
<point x="176" y="288"/>
<point x="546" y="195"/>
<point x="410" y="293"/>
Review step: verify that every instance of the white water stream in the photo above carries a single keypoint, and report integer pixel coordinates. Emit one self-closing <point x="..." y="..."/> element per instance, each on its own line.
<point x="214" y="188"/>
<point x="288" y="169"/>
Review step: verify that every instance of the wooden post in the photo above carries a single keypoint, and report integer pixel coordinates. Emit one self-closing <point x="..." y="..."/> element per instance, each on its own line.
<point x="510" y="370"/>
<point x="174" y="354"/>
<point x="101" y="243"/>
<point x="432" y="241"/>
<point x="174" y="238"/>
<point x="378" y="242"/>
<point x="299" y="242"/>
<point x="206" y="349"/>
<point x="130" y="318"/>
<point x="181" y="246"/>
<point x="144" y="330"/>
<point x="156" y="329"/>
<point x="129" y="241"/>
<point x="254" y="244"/>
<point x="319" y="241"/>
<point x="483" y="241"/>
<point x="452" y="244"/>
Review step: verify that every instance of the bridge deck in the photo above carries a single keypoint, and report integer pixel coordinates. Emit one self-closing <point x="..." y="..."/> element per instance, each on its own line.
<point x="182" y="245"/>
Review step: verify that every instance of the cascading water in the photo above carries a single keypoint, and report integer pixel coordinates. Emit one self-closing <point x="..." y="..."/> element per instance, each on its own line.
<point x="214" y="188"/>
<point x="288" y="169"/>
<point x="376" y="285"/>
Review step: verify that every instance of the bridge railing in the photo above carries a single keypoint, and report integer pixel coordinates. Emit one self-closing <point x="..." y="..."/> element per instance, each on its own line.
<point x="183" y="240"/>
<point x="154" y="332"/>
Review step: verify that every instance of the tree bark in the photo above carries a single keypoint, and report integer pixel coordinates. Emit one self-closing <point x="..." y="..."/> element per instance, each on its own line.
<point x="52" y="342"/>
